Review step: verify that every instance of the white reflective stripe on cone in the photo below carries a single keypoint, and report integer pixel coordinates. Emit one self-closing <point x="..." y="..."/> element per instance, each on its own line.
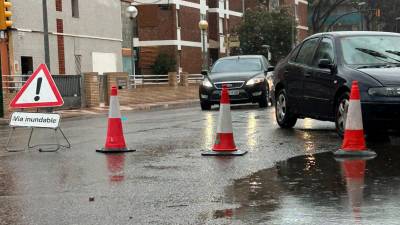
<point x="224" y="119"/>
<point x="114" y="108"/>
<point x="354" y="117"/>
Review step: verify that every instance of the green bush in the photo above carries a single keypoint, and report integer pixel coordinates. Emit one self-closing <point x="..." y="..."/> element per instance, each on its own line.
<point x="261" y="27"/>
<point x="164" y="63"/>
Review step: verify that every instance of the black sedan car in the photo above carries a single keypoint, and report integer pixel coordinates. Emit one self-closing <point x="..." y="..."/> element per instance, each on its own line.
<point x="245" y="77"/>
<point x="314" y="80"/>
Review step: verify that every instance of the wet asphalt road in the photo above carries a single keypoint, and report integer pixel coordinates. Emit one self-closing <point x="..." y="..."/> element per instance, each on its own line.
<point x="288" y="176"/>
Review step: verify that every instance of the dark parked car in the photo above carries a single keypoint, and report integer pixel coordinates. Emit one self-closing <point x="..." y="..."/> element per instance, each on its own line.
<point x="314" y="80"/>
<point x="245" y="77"/>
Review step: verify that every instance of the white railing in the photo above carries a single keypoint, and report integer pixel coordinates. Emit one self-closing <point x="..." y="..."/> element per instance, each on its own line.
<point x="148" y="79"/>
<point x="160" y="79"/>
<point x="14" y="82"/>
<point x="195" y="78"/>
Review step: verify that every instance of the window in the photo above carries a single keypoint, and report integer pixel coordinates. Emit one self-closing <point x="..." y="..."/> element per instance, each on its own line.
<point x="294" y="53"/>
<point x="75" y="8"/>
<point x="26" y="66"/>
<point x="365" y="50"/>
<point x="237" y="65"/>
<point x="325" y="51"/>
<point x="306" y="52"/>
<point x="78" y="64"/>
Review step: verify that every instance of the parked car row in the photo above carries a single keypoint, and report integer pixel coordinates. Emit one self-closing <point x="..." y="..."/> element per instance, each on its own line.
<point x="314" y="80"/>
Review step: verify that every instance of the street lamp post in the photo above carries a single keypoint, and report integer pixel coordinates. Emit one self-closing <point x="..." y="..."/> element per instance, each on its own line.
<point x="133" y="12"/>
<point x="203" y="25"/>
<point x="46" y="34"/>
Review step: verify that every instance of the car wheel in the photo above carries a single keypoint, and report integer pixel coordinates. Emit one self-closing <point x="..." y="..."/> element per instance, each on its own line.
<point x="342" y="106"/>
<point x="284" y="117"/>
<point x="205" y="105"/>
<point x="263" y="103"/>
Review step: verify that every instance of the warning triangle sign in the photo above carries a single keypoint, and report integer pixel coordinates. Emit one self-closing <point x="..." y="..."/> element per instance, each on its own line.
<point x="38" y="91"/>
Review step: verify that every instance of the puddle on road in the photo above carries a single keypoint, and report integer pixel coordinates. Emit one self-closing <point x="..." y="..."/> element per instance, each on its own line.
<point x="317" y="189"/>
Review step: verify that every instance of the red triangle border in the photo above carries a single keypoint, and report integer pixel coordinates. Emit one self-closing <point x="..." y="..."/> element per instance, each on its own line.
<point x="53" y="86"/>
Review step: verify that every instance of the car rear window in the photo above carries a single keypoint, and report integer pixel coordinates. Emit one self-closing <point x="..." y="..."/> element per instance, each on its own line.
<point x="237" y="65"/>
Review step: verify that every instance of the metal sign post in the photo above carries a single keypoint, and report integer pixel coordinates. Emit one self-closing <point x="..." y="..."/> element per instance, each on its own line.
<point x="37" y="120"/>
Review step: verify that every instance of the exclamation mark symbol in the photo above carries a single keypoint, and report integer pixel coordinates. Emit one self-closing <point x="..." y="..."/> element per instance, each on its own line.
<point x="38" y="85"/>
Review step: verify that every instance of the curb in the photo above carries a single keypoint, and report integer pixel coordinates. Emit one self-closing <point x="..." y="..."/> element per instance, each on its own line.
<point x="104" y="110"/>
<point x="167" y="105"/>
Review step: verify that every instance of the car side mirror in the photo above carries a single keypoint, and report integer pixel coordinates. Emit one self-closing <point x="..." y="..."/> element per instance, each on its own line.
<point x="270" y="69"/>
<point x="325" y="64"/>
<point x="204" y="72"/>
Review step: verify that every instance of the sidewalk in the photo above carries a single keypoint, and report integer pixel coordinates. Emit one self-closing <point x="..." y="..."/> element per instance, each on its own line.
<point x="69" y="113"/>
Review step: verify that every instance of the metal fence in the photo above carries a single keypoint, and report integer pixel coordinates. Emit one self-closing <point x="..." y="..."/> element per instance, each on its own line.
<point x="195" y="78"/>
<point x="70" y="89"/>
<point x="13" y="83"/>
<point x="160" y="79"/>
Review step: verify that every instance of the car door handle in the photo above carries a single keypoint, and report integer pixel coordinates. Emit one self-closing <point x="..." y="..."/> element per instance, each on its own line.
<point x="307" y="74"/>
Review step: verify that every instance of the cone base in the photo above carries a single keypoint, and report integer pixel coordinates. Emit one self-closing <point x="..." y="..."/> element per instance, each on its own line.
<point x="354" y="153"/>
<point x="114" y="150"/>
<point x="224" y="153"/>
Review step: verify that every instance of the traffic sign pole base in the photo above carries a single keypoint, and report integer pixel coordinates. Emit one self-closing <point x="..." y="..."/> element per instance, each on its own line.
<point x="114" y="150"/>
<point x="354" y="153"/>
<point x="224" y="153"/>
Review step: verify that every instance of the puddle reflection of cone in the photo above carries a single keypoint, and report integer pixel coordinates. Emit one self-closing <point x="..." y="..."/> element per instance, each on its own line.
<point x="115" y="165"/>
<point x="226" y="213"/>
<point x="354" y="141"/>
<point x="353" y="173"/>
<point x="115" y="141"/>
<point x="224" y="141"/>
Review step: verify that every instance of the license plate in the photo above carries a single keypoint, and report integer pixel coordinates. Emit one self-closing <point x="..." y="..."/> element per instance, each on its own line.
<point x="233" y="92"/>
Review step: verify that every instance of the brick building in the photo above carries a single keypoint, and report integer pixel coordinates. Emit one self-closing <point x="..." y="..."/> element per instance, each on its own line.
<point x="299" y="8"/>
<point x="171" y="26"/>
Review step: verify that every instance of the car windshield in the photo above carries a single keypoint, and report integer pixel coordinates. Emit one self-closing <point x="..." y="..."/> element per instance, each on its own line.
<point x="371" y="50"/>
<point x="237" y="65"/>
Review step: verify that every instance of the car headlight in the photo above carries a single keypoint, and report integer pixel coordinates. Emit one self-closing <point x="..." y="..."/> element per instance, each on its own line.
<point x="255" y="80"/>
<point x="207" y="83"/>
<point x="384" y="91"/>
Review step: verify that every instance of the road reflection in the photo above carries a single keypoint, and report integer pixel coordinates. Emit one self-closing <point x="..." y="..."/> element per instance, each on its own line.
<point x="208" y="130"/>
<point x="115" y="166"/>
<point x="353" y="172"/>
<point x="317" y="189"/>
<point x="251" y="130"/>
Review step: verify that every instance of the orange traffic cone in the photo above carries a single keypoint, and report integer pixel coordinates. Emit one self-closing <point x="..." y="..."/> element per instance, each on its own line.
<point x="354" y="142"/>
<point x="115" y="141"/>
<point x="224" y="142"/>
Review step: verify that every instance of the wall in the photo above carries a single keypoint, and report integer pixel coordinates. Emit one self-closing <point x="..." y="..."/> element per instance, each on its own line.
<point x="98" y="29"/>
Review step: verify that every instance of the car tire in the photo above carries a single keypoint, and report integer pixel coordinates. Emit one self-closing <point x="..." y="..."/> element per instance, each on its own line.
<point x="284" y="117"/>
<point x="263" y="103"/>
<point x="342" y="105"/>
<point x="205" y="105"/>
